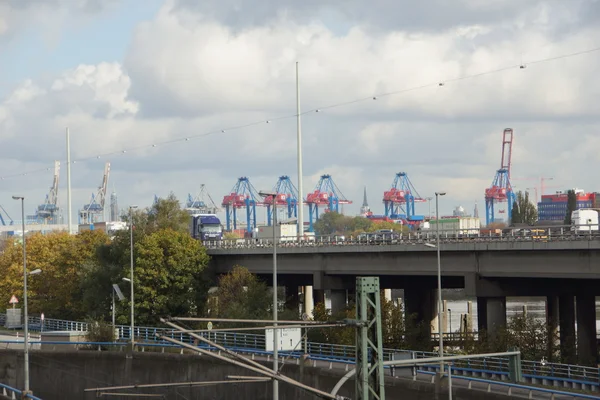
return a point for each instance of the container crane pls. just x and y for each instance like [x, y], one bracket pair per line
[48, 213]
[242, 195]
[287, 196]
[94, 211]
[326, 194]
[399, 201]
[10, 220]
[202, 203]
[501, 189]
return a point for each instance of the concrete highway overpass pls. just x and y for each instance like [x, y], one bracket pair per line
[491, 270]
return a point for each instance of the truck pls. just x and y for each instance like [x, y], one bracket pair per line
[284, 232]
[206, 227]
[584, 220]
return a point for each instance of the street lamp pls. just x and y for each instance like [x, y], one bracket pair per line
[439, 277]
[450, 319]
[131, 208]
[273, 195]
[117, 290]
[25, 315]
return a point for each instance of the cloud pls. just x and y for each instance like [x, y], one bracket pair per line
[191, 72]
[46, 15]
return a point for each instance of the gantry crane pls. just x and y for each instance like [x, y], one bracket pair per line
[501, 190]
[243, 195]
[287, 196]
[399, 201]
[202, 203]
[325, 194]
[94, 211]
[49, 212]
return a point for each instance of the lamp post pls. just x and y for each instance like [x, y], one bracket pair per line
[131, 208]
[25, 314]
[273, 195]
[439, 277]
[450, 320]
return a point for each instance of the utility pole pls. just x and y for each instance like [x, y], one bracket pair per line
[69, 222]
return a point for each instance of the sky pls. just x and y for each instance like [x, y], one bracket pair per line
[177, 93]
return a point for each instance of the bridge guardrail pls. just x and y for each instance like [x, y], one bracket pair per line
[332, 351]
[456, 369]
[13, 392]
[549, 234]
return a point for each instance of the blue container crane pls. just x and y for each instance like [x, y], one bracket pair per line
[326, 194]
[399, 201]
[287, 196]
[242, 195]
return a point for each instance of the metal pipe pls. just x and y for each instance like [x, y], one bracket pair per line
[131, 275]
[431, 360]
[267, 372]
[258, 328]
[26, 316]
[250, 321]
[225, 350]
[158, 385]
[439, 280]
[275, 304]
[300, 204]
[69, 211]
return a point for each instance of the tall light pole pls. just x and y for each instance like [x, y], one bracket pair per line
[131, 208]
[273, 195]
[439, 277]
[25, 314]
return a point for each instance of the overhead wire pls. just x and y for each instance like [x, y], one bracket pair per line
[310, 111]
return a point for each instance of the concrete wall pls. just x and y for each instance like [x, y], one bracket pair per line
[64, 375]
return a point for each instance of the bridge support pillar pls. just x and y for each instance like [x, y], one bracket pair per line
[338, 300]
[419, 313]
[491, 314]
[292, 298]
[318, 296]
[566, 317]
[309, 304]
[586, 330]
[552, 320]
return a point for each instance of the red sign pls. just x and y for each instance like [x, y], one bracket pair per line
[13, 300]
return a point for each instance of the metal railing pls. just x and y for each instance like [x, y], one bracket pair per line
[419, 369]
[11, 392]
[468, 235]
[330, 351]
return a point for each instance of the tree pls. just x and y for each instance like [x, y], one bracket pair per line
[240, 294]
[169, 276]
[523, 210]
[571, 206]
[61, 257]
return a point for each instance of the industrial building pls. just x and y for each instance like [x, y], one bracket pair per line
[553, 207]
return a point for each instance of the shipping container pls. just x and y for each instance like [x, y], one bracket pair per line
[285, 232]
[460, 225]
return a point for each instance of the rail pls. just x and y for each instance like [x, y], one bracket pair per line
[11, 392]
[537, 234]
[298, 355]
[337, 352]
[512, 386]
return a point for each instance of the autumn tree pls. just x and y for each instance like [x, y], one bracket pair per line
[61, 257]
[240, 294]
[169, 276]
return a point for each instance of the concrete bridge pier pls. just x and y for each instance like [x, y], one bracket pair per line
[552, 321]
[292, 298]
[566, 318]
[419, 306]
[338, 300]
[586, 330]
[491, 314]
[308, 301]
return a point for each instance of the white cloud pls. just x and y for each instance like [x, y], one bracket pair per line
[187, 74]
